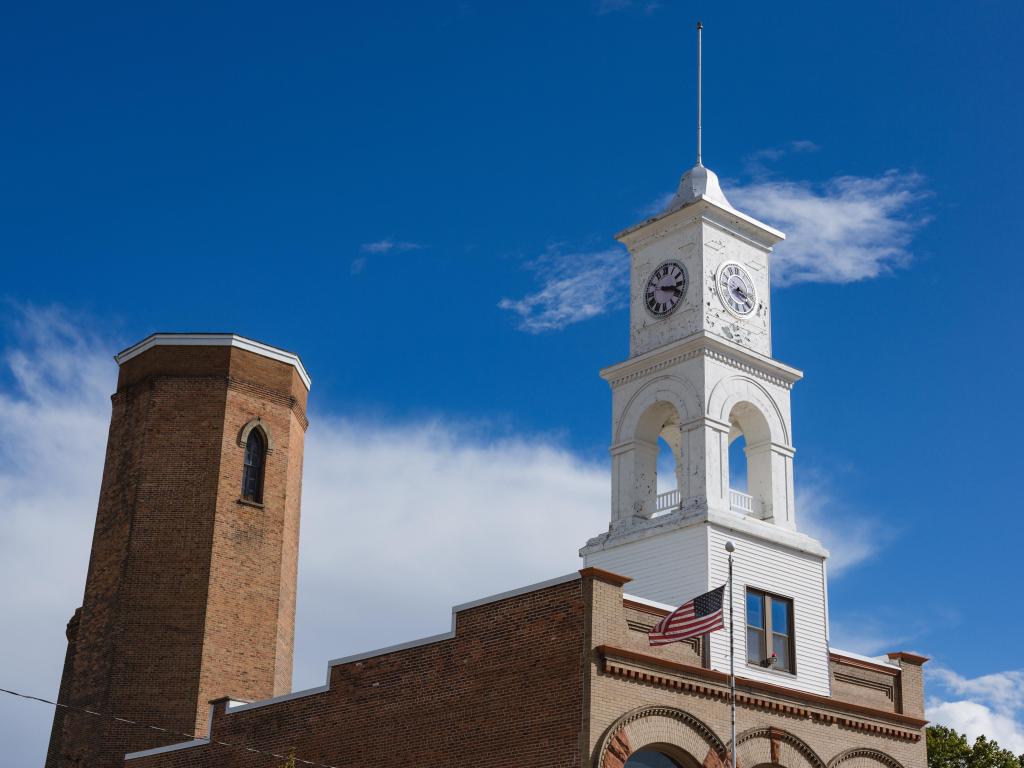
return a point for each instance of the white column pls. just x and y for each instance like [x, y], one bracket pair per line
[759, 478]
[706, 463]
[634, 479]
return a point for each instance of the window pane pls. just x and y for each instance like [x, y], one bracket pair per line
[648, 758]
[780, 645]
[755, 645]
[755, 610]
[780, 615]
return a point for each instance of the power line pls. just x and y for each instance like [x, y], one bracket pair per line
[168, 731]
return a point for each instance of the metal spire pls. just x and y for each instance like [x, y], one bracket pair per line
[700, 28]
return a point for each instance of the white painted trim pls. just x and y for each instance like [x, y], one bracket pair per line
[695, 342]
[651, 603]
[694, 208]
[176, 747]
[878, 660]
[214, 340]
[170, 748]
[241, 706]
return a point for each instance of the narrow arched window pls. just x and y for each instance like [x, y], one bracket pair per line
[252, 472]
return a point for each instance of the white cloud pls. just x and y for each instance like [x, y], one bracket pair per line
[388, 245]
[575, 287]
[851, 228]
[381, 247]
[54, 413]
[400, 521]
[867, 635]
[408, 520]
[990, 705]
[757, 162]
[850, 536]
[603, 7]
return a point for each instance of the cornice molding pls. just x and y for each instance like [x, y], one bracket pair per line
[714, 684]
[702, 344]
[707, 210]
[214, 340]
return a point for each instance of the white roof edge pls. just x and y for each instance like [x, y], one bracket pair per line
[215, 340]
[727, 209]
[168, 748]
[233, 707]
[882, 661]
[651, 603]
[179, 745]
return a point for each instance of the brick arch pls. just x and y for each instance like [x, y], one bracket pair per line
[863, 757]
[679, 734]
[263, 427]
[774, 746]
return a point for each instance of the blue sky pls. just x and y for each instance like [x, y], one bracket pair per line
[401, 193]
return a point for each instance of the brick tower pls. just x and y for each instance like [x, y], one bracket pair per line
[190, 593]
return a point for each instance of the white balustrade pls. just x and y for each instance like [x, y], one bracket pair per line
[738, 501]
[741, 502]
[667, 500]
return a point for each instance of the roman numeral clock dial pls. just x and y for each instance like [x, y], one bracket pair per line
[665, 288]
[736, 289]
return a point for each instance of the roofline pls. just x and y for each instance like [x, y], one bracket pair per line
[875, 661]
[728, 210]
[409, 644]
[214, 340]
[229, 709]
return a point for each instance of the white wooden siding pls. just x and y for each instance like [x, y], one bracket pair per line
[785, 572]
[670, 568]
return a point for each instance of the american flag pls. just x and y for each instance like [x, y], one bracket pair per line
[698, 617]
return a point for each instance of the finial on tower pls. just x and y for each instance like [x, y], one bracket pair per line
[700, 30]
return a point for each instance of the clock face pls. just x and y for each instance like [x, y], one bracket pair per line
[665, 289]
[736, 289]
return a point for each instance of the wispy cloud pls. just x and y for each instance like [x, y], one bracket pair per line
[850, 228]
[575, 287]
[850, 538]
[990, 705]
[758, 162]
[387, 245]
[379, 248]
[55, 385]
[603, 7]
[867, 634]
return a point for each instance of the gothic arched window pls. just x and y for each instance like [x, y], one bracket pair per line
[252, 471]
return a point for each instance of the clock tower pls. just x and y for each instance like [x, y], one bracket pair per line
[700, 375]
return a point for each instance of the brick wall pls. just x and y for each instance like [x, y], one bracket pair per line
[505, 691]
[189, 593]
[640, 696]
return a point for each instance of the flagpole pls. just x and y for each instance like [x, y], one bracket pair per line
[730, 548]
[700, 28]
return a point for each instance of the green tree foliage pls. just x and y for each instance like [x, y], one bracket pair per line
[949, 749]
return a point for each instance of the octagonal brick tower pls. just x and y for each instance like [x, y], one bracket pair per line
[190, 592]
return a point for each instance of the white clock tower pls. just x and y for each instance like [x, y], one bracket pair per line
[700, 375]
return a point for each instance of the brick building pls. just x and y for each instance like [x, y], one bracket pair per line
[189, 604]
